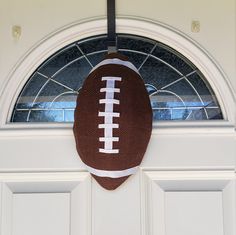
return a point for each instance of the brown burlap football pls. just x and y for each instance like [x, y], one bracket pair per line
[113, 121]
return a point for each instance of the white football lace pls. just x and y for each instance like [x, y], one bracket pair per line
[112, 173]
[108, 115]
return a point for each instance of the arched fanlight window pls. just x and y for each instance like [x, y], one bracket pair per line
[177, 89]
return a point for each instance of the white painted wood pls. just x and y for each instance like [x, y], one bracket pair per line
[41, 213]
[117, 212]
[197, 202]
[6, 212]
[81, 208]
[58, 153]
[189, 166]
[229, 208]
[193, 213]
[46, 203]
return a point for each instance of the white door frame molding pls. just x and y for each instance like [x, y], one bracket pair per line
[154, 30]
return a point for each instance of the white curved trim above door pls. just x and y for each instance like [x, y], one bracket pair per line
[154, 30]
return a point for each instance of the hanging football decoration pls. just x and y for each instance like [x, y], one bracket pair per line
[113, 120]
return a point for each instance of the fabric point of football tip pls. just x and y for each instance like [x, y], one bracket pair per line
[109, 183]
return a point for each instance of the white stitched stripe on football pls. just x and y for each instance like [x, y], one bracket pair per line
[104, 139]
[118, 62]
[106, 114]
[109, 101]
[105, 89]
[112, 174]
[101, 126]
[111, 78]
[108, 150]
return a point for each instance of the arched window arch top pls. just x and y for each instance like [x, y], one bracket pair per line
[177, 89]
[141, 27]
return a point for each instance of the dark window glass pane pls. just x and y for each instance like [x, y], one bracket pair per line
[135, 58]
[161, 114]
[96, 44]
[69, 116]
[64, 101]
[180, 114]
[214, 113]
[74, 75]
[197, 114]
[185, 92]
[157, 73]
[46, 116]
[170, 104]
[20, 116]
[59, 60]
[30, 91]
[177, 90]
[96, 57]
[135, 44]
[50, 92]
[203, 89]
[150, 89]
[173, 59]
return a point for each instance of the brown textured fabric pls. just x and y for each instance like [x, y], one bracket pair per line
[110, 183]
[135, 121]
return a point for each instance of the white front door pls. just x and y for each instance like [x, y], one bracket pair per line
[185, 186]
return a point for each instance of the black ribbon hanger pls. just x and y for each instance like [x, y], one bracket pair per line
[111, 27]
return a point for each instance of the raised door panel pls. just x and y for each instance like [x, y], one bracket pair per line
[41, 213]
[46, 203]
[194, 213]
[188, 203]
